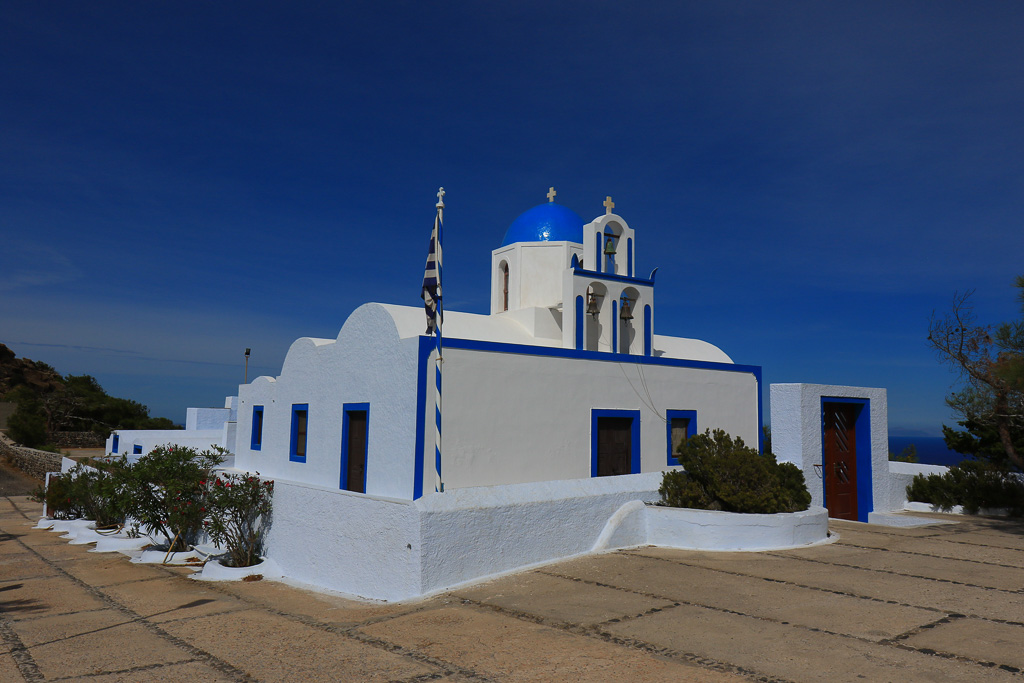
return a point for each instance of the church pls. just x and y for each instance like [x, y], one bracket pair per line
[564, 379]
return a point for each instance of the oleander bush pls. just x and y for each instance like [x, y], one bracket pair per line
[171, 492]
[974, 484]
[239, 517]
[722, 473]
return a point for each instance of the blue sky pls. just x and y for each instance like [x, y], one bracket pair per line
[181, 180]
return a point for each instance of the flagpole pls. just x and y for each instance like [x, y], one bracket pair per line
[438, 483]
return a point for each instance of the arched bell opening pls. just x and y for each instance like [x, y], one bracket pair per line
[597, 317]
[629, 306]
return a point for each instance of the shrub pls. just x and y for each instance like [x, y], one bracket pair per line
[61, 498]
[724, 474]
[240, 510]
[168, 487]
[974, 484]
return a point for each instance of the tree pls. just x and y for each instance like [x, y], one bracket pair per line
[990, 361]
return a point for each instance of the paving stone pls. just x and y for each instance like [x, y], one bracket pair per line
[561, 599]
[933, 546]
[946, 597]
[47, 596]
[984, 641]
[274, 648]
[90, 642]
[193, 672]
[763, 599]
[794, 653]
[171, 598]
[509, 649]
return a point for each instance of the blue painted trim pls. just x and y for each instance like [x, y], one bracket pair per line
[598, 257]
[346, 409]
[597, 275]
[556, 352]
[256, 438]
[579, 323]
[629, 257]
[691, 429]
[862, 434]
[137, 449]
[648, 332]
[117, 443]
[426, 346]
[293, 447]
[634, 434]
[615, 325]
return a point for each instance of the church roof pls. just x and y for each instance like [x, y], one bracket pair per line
[547, 222]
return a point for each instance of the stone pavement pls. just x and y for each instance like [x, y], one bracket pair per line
[937, 603]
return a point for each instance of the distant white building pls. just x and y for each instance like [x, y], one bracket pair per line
[564, 379]
[204, 429]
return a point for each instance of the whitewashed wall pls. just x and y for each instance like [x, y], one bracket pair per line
[148, 439]
[368, 363]
[512, 418]
[389, 549]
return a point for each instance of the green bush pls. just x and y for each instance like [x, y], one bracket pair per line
[724, 474]
[240, 507]
[168, 487]
[26, 426]
[974, 484]
[61, 498]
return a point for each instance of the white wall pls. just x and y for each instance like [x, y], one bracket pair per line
[206, 418]
[367, 364]
[389, 549]
[149, 439]
[511, 418]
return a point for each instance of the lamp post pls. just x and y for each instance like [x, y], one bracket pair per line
[247, 365]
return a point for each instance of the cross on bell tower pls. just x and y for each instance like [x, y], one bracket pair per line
[608, 205]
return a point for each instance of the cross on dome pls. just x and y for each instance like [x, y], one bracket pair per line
[551, 194]
[608, 205]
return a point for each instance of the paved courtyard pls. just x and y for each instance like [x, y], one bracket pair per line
[936, 603]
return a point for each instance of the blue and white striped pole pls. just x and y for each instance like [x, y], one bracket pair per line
[438, 484]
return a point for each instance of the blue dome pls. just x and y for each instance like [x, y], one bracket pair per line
[548, 222]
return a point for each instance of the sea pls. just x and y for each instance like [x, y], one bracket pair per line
[931, 450]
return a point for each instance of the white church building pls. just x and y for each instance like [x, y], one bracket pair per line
[563, 379]
[561, 385]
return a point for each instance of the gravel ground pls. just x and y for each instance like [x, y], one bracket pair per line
[14, 482]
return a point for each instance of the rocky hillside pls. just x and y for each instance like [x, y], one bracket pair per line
[15, 372]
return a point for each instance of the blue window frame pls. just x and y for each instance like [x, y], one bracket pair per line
[300, 431]
[634, 451]
[136, 449]
[354, 464]
[677, 421]
[117, 442]
[256, 442]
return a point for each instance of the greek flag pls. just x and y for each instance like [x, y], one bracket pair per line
[431, 293]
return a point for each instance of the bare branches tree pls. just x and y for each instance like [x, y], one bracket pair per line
[991, 363]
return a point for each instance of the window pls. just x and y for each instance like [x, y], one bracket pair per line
[680, 425]
[136, 449]
[300, 426]
[117, 440]
[504, 286]
[257, 428]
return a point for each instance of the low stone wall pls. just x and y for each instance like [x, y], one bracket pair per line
[78, 440]
[30, 461]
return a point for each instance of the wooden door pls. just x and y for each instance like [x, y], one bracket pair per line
[355, 479]
[840, 460]
[614, 445]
